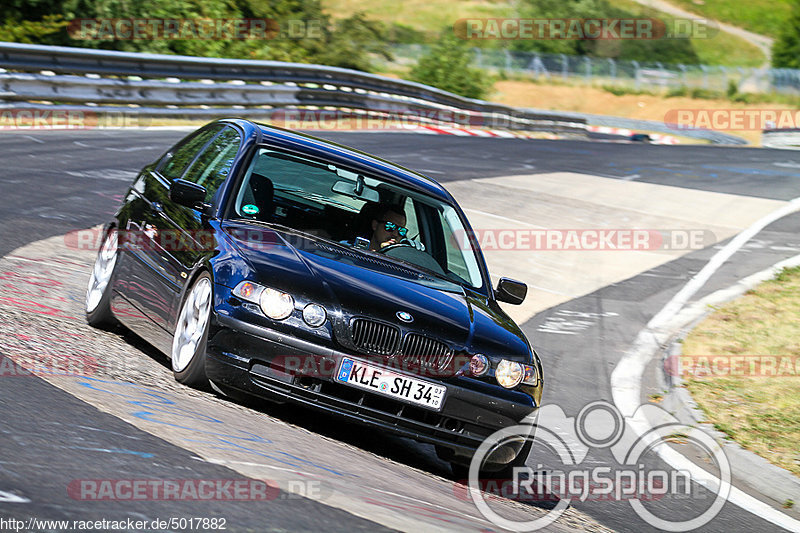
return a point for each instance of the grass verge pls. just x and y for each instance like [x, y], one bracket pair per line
[720, 48]
[760, 413]
[600, 100]
[760, 16]
[432, 16]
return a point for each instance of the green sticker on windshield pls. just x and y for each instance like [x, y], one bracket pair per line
[249, 209]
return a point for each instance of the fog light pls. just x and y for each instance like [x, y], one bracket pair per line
[314, 315]
[478, 365]
[276, 304]
[509, 374]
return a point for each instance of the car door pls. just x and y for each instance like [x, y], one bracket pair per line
[189, 231]
[152, 288]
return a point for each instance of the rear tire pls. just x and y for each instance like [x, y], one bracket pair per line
[191, 334]
[98, 293]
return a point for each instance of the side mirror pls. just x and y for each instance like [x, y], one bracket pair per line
[189, 194]
[511, 291]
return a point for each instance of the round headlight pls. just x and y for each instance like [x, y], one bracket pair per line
[509, 374]
[275, 304]
[478, 365]
[314, 315]
[530, 374]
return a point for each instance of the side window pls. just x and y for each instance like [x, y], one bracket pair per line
[459, 253]
[175, 162]
[411, 221]
[211, 169]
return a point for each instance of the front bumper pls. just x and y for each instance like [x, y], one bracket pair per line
[251, 358]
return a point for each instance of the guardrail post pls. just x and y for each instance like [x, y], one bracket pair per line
[612, 68]
[587, 62]
[564, 66]
[636, 74]
[705, 76]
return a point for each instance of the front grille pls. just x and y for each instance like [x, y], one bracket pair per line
[375, 337]
[428, 353]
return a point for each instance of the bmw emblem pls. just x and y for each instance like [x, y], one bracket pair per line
[405, 317]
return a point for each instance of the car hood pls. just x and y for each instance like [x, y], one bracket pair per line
[350, 284]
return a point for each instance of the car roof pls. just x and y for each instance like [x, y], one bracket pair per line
[345, 155]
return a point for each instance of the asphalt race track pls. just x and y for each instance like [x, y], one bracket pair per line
[129, 420]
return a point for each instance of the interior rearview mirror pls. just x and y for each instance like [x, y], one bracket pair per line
[511, 291]
[356, 190]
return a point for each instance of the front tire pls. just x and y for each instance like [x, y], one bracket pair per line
[191, 334]
[495, 471]
[98, 293]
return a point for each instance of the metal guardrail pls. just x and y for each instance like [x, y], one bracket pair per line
[716, 137]
[106, 77]
[167, 85]
[787, 139]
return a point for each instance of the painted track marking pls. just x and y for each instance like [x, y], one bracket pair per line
[626, 377]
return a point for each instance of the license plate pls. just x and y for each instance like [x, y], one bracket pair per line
[387, 383]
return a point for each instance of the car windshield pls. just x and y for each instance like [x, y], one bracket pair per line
[360, 213]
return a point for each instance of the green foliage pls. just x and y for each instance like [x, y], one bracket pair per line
[447, 66]
[733, 88]
[786, 49]
[27, 31]
[672, 50]
[349, 42]
[402, 34]
[619, 90]
[760, 16]
[706, 94]
[677, 92]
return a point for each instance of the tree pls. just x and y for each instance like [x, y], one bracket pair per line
[786, 50]
[447, 66]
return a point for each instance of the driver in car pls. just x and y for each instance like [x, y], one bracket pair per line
[388, 229]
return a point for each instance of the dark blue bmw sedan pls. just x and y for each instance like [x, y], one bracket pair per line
[270, 263]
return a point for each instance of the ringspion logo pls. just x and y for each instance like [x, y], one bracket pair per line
[633, 474]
